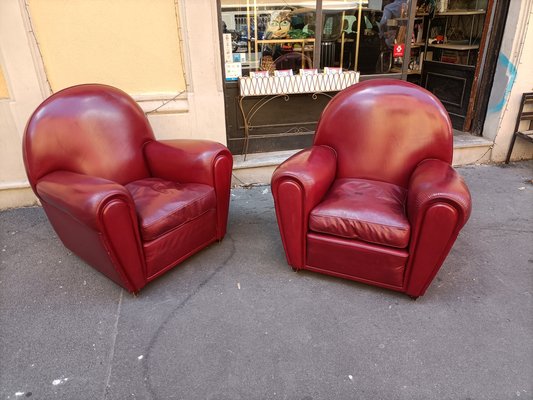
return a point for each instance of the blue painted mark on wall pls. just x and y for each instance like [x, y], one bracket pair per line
[510, 72]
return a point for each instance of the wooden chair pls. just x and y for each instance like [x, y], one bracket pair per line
[523, 115]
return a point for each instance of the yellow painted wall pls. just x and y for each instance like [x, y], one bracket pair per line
[4, 93]
[130, 44]
[136, 47]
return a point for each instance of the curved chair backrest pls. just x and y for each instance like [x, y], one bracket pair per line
[293, 60]
[382, 129]
[94, 129]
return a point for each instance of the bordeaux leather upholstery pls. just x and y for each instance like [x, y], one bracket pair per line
[293, 60]
[375, 199]
[130, 206]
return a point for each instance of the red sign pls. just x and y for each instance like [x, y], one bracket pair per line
[399, 49]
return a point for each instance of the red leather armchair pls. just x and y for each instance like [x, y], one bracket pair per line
[375, 199]
[130, 206]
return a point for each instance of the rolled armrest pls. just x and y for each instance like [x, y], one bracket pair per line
[81, 196]
[313, 169]
[96, 219]
[298, 185]
[184, 160]
[435, 181]
[438, 206]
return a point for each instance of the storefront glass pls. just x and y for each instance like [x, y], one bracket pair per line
[265, 36]
[284, 60]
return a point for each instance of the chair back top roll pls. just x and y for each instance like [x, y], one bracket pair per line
[382, 129]
[90, 129]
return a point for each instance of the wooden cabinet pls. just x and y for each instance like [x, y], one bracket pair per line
[451, 53]
[454, 36]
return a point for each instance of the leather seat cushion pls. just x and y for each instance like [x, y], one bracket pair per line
[369, 211]
[163, 205]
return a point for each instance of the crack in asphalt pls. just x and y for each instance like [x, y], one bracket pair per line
[179, 307]
[113, 346]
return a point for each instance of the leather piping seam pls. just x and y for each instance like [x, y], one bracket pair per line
[289, 178]
[175, 210]
[362, 221]
[305, 223]
[102, 203]
[412, 260]
[221, 155]
[359, 239]
[180, 225]
[104, 235]
[393, 248]
[144, 147]
[179, 260]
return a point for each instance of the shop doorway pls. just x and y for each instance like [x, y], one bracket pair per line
[455, 46]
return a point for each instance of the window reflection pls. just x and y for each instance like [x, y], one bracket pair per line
[354, 35]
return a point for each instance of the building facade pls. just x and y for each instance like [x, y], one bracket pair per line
[168, 55]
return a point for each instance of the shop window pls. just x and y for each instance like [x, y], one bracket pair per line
[353, 35]
[285, 60]
[281, 30]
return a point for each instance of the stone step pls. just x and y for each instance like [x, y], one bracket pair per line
[470, 149]
[258, 168]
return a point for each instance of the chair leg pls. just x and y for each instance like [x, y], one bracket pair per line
[246, 142]
[510, 149]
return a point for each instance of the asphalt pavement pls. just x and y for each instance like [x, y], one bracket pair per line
[235, 322]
